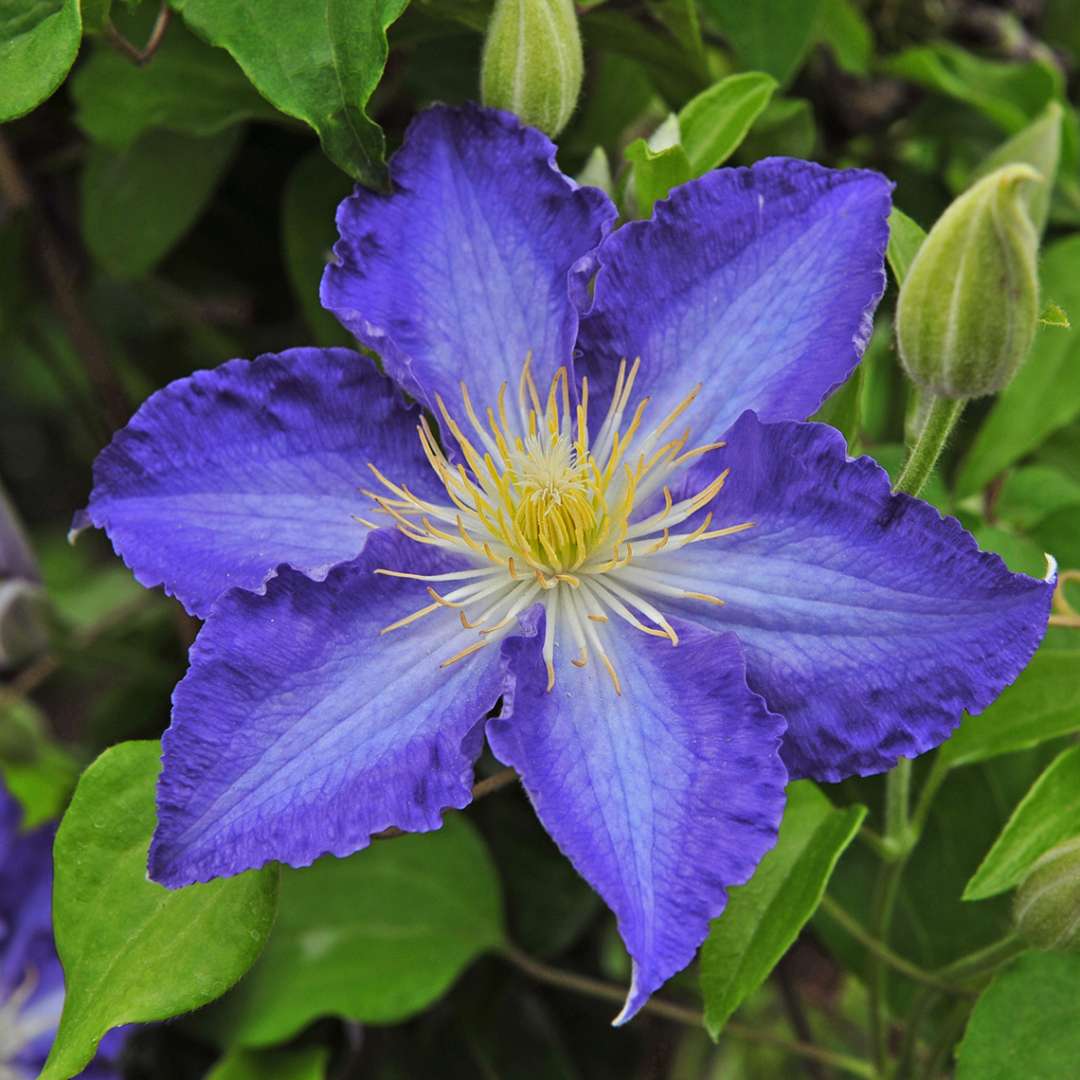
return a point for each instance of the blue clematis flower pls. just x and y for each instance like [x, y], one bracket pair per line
[31, 979]
[621, 528]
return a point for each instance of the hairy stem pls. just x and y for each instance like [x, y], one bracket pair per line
[681, 1014]
[940, 419]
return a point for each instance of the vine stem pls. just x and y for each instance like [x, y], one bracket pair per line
[142, 56]
[941, 417]
[480, 790]
[680, 1014]
[894, 960]
[900, 834]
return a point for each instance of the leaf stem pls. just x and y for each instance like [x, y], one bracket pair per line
[682, 1014]
[144, 55]
[941, 418]
[894, 960]
[983, 961]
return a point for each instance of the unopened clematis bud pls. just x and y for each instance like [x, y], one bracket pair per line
[1047, 908]
[532, 63]
[969, 305]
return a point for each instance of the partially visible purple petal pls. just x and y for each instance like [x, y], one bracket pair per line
[16, 558]
[759, 283]
[300, 730]
[660, 797]
[223, 476]
[473, 261]
[868, 620]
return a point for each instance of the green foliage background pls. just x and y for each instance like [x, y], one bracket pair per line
[168, 177]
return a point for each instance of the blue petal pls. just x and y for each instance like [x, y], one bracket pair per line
[660, 797]
[299, 730]
[759, 283]
[221, 477]
[473, 261]
[868, 620]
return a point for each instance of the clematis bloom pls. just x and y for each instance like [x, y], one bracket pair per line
[611, 519]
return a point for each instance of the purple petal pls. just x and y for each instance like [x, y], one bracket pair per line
[660, 797]
[221, 477]
[868, 620]
[299, 730]
[473, 261]
[759, 283]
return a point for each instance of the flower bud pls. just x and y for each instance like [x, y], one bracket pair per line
[969, 305]
[532, 62]
[1047, 907]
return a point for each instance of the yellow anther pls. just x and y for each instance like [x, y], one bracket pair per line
[476, 646]
[538, 512]
[706, 597]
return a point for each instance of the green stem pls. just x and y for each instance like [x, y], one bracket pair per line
[607, 991]
[901, 833]
[894, 960]
[897, 845]
[941, 417]
[897, 809]
[951, 1027]
[984, 961]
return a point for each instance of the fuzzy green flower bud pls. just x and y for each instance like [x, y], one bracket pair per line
[532, 63]
[969, 305]
[1047, 907]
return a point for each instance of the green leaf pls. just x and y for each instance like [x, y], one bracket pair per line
[1055, 315]
[767, 35]
[905, 239]
[376, 937]
[786, 127]
[1030, 493]
[1043, 704]
[1009, 94]
[95, 15]
[717, 120]
[1024, 1023]
[843, 408]
[656, 172]
[311, 197]
[1059, 534]
[38, 44]
[132, 950]
[116, 101]
[303, 1063]
[844, 29]
[933, 926]
[1045, 395]
[1048, 814]
[673, 74]
[317, 60]
[139, 202]
[764, 916]
[1022, 555]
[21, 16]
[1037, 145]
[37, 772]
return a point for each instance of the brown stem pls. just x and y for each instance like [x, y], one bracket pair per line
[133, 52]
[681, 1014]
[484, 787]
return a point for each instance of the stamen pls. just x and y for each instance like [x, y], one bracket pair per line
[540, 511]
[476, 646]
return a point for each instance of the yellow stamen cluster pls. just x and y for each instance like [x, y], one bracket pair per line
[546, 512]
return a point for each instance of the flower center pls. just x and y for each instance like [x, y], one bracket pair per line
[550, 512]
